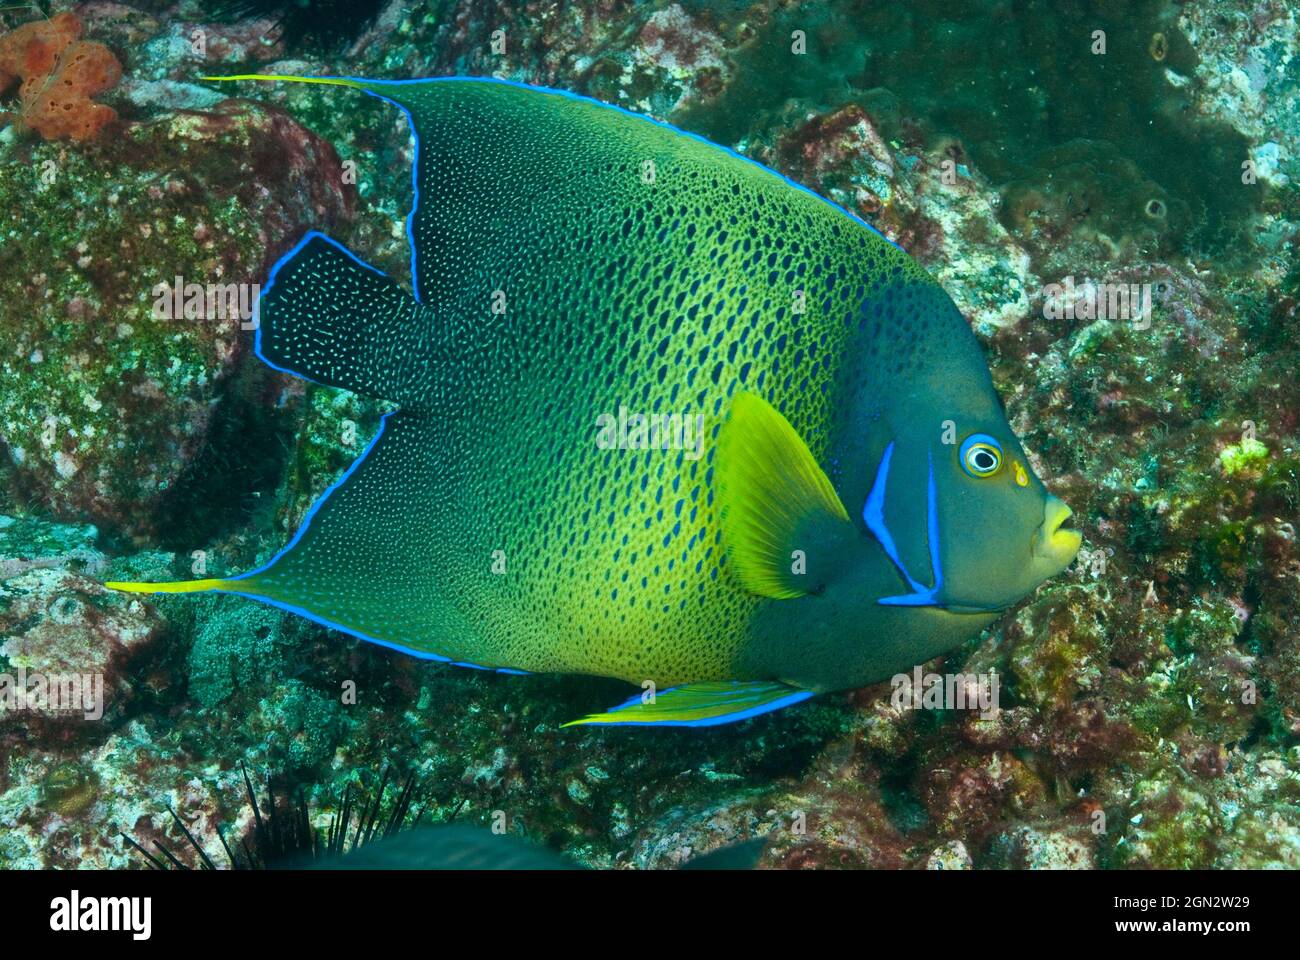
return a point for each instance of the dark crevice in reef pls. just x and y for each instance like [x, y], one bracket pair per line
[1017, 83]
[234, 476]
[321, 26]
[898, 796]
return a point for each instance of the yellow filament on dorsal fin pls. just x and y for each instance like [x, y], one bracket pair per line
[175, 586]
[330, 81]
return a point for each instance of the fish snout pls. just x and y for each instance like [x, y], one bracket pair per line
[1053, 541]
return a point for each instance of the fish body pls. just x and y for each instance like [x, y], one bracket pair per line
[449, 847]
[664, 416]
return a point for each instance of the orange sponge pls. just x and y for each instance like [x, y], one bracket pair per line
[60, 74]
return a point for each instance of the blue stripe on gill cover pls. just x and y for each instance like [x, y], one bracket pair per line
[873, 514]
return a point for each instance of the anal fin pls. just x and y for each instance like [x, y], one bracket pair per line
[706, 704]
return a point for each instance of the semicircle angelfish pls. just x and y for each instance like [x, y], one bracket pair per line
[664, 415]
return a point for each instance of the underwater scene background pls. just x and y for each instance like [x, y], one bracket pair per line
[1032, 156]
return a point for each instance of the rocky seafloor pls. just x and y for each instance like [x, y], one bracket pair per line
[1150, 698]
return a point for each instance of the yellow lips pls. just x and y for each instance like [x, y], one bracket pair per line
[1051, 541]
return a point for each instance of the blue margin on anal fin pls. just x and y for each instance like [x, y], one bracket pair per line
[357, 634]
[705, 704]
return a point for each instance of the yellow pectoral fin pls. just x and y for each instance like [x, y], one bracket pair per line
[175, 586]
[705, 704]
[774, 498]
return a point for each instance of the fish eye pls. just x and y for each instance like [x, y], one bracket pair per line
[981, 455]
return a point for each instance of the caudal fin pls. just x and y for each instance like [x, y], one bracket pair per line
[328, 316]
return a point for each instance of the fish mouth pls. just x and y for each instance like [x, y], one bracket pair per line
[1053, 547]
[1053, 541]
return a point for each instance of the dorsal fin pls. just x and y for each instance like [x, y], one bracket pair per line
[486, 152]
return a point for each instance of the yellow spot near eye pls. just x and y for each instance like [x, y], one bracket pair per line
[1022, 478]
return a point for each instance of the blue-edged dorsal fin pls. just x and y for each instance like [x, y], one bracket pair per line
[705, 704]
[330, 317]
[483, 177]
[775, 500]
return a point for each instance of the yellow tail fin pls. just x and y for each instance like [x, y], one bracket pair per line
[176, 586]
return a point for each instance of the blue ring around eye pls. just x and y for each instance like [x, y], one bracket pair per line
[981, 440]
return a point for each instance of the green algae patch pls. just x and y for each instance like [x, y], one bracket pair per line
[70, 788]
[1101, 136]
[1170, 827]
[1242, 457]
[105, 393]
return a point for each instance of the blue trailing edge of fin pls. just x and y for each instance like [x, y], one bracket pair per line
[400, 648]
[709, 703]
